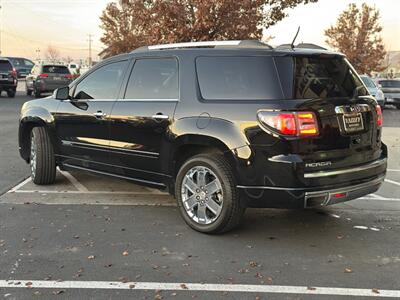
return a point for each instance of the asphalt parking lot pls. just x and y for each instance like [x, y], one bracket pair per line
[103, 238]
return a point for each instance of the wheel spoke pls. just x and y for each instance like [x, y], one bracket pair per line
[201, 214]
[213, 187]
[190, 202]
[201, 178]
[213, 206]
[190, 185]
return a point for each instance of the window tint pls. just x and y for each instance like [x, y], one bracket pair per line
[326, 77]
[55, 69]
[5, 66]
[390, 83]
[154, 79]
[28, 63]
[238, 78]
[103, 83]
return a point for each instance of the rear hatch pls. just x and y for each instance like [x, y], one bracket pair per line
[349, 134]
[6, 72]
[56, 76]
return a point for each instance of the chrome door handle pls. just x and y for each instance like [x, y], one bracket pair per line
[99, 114]
[160, 117]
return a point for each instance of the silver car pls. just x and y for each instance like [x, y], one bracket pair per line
[374, 90]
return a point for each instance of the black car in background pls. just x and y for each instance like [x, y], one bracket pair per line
[220, 125]
[23, 66]
[8, 77]
[391, 90]
[45, 78]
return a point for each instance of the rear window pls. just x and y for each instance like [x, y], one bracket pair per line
[5, 66]
[390, 83]
[238, 78]
[310, 77]
[55, 69]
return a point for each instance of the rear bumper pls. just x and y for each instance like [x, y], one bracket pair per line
[293, 197]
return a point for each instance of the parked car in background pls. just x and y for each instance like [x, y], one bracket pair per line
[374, 89]
[391, 90]
[74, 69]
[23, 66]
[221, 125]
[45, 78]
[8, 77]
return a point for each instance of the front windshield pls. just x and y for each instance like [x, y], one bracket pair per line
[368, 82]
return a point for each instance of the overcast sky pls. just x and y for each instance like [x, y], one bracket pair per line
[28, 25]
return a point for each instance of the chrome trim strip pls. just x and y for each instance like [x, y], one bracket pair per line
[263, 187]
[365, 167]
[194, 44]
[115, 175]
[104, 148]
[352, 109]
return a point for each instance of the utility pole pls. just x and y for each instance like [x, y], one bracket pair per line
[90, 49]
[37, 54]
[0, 27]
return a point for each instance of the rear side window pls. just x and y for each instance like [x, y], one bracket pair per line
[5, 66]
[238, 78]
[319, 77]
[55, 69]
[390, 83]
[154, 79]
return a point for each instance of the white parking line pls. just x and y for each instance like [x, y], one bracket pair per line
[20, 185]
[207, 287]
[378, 199]
[79, 186]
[86, 192]
[393, 170]
[392, 182]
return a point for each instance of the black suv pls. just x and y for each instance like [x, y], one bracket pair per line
[8, 77]
[220, 125]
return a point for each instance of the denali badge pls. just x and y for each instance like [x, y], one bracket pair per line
[318, 164]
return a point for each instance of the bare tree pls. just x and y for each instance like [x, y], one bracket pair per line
[129, 24]
[357, 34]
[52, 54]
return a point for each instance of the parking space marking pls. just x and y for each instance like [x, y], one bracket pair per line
[378, 199]
[206, 287]
[392, 182]
[85, 192]
[20, 185]
[79, 186]
[393, 170]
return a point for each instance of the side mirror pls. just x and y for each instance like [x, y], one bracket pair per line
[62, 93]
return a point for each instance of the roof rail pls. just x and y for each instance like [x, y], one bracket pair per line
[238, 43]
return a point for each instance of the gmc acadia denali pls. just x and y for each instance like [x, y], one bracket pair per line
[220, 125]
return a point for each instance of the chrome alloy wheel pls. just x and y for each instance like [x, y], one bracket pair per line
[33, 157]
[202, 195]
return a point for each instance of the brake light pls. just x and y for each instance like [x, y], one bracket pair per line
[69, 76]
[14, 73]
[379, 116]
[302, 124]
[44, 75]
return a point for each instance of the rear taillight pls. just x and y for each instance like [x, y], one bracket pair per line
[379, 116]
[302, 123]
[13, 73]
[69, 76]
[44, 75]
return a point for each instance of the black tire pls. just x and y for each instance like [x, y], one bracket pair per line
[231, 211]
[43, 164]
[37, 93]
[28, 92]
[11, 94]
[397, 106]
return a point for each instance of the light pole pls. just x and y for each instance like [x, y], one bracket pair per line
[0, 27]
